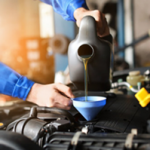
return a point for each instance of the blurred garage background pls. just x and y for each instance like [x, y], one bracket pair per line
[34, 39]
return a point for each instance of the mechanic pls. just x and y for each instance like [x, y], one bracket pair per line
[15, 85]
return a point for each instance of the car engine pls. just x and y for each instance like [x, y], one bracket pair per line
[121, 124]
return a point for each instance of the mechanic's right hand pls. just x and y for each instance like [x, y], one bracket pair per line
[50, 95]
[102, 26]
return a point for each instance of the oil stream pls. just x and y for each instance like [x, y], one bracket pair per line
[85, 60]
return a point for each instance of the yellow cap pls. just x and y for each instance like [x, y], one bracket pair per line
[143, 97]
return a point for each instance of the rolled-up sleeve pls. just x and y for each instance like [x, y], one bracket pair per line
[13, 84]
[66, 8]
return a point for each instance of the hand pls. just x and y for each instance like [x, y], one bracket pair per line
[102, 26]
[50, 95]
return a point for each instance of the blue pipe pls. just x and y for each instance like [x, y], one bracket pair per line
[120, 24]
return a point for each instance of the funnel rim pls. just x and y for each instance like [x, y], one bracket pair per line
[96, 99]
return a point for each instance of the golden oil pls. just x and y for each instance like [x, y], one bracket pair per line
[85, 60]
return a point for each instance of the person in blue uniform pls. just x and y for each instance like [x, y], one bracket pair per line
[16, 85]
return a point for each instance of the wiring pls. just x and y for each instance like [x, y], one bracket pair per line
[116, 84]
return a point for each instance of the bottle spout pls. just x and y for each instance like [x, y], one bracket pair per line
[85, 51]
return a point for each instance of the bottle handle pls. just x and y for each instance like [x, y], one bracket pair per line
[87, 28]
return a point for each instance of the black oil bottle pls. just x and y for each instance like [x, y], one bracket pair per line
[87, 43]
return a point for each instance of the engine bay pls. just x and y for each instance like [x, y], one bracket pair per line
[52, 128]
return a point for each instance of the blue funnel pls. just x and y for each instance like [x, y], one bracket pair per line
[90, 108]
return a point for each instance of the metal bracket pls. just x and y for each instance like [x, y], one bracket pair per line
[75, 138]
[129, 139]
[85, 130]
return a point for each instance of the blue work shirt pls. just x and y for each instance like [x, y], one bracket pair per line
[66, 8]
[12, 83]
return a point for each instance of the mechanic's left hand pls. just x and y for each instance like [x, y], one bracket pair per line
[50, 95]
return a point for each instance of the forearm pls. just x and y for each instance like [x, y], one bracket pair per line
[66, 8]
[13, 84]
[33, 94]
